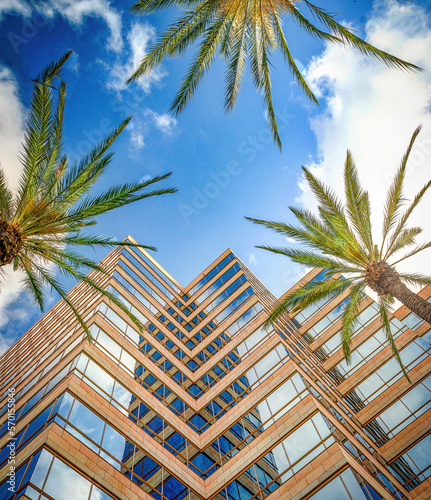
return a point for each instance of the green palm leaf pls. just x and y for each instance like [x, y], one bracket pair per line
[339, 239]
[45, 218]
[244, 29]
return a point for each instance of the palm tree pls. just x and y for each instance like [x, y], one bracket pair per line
[339, 239]
[51, 206]
[243, 29]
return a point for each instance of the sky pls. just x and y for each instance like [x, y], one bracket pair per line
[224, 166]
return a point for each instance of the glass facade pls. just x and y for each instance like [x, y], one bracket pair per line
[206, 402]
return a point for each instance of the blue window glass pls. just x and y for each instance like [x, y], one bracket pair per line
[226, 396]
[178, 405]
[225, 445]
[146, 468]
[149, 381]
[167, 365]
[5, 492]
[199, 423]
[156, 425]
[177, 442]
[179, 377]
[179, 354]
[195, 391]
[129, 449]
[156, 356]
[173, 489]
[192, 365]
[202, 465]
[146, 348]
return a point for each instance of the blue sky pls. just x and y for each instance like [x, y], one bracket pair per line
[225, 167]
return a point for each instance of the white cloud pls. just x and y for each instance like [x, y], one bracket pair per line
[74, 63]
[252, 261]
[13, 309]
[73, 11]
[11, 125]
[139, 38]
[165, 122]
[372, 110]
[141, 125]
[19, 6]
[136, 138]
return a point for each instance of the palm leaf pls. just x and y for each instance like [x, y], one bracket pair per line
[6, 197]
[395, 198]
[415, 279]
[350, 39]
[384, 315]
[53, 203]
[349, 318]
[241, 30]
[331, 266]
[357, 204]
[308, 294]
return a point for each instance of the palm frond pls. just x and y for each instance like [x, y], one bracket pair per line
[415, 279]
[401, 226]
[117, 196]
[50, 279]
[419, 248]
[308, 294]
[236, 65]
[326, 197]
[6, 197]
[150, 6]
[80, 178]
[37, 131]
[349, 38]
[297, 75]
[332, 266]
[53, 203]
[202, 63]
[357, 204]
[241, 30]
[395, 197]
[311, 29]
[349, 318]
[178, 38]
[72, 271]
[33, 286]
[407, 237]
[384, 315]
[104, 241]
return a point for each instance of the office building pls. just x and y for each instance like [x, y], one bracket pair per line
[206, 402]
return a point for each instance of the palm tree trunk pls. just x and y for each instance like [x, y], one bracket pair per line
[10, 242]
[392, 284]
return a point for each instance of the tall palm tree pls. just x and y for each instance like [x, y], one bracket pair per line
[339, 239]
[241, 30]
[46, 215]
